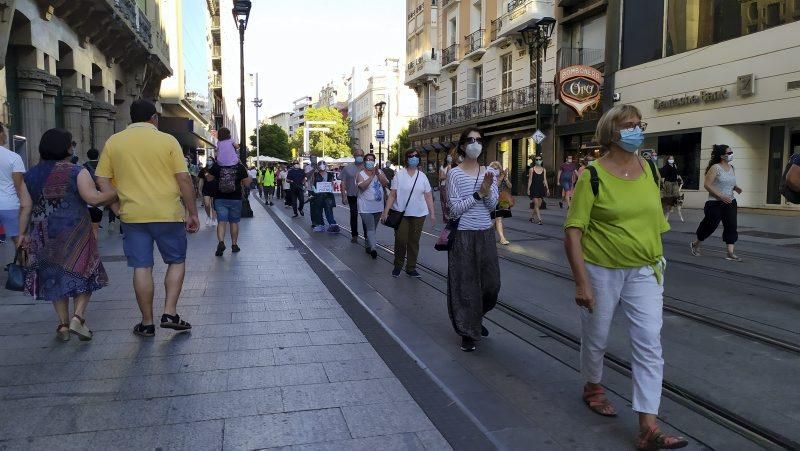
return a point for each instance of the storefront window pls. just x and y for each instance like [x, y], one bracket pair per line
[693, 24]
[685, 147]
[642, 31]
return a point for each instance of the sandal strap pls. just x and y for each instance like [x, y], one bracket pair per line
[176, 319]
[656, 438]
[79, 318]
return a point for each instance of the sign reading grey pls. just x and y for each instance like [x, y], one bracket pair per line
[691, 99]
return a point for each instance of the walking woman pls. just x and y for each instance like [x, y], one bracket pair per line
[473, 271]
[613, 243]
[62, 250]
[371, 183]
[505, 201]
[443, 170]
[671, 183]
[209, 190]
[721, 204]
[566, 180]
[537, 187]
[410, 194]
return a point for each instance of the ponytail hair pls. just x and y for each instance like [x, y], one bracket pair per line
[717, 150]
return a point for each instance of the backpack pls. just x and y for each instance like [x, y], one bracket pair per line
[790, 195]
[227, 179]
[595, 180]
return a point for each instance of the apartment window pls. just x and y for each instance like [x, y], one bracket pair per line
[506, 72]
[585, 43]
[642, 31]
[454, 91]
[475, 84]
[475, 15]
[451, 31]
[693, 24]
[432, 98]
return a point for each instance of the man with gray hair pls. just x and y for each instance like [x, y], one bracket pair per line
[350, 191]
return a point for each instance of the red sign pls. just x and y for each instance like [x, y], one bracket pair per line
[579, 87]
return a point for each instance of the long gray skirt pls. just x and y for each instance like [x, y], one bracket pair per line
[473, 280]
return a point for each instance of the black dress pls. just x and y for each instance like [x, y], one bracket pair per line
[537, 186]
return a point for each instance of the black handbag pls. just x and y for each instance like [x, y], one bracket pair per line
[394, 218]
[16, 272]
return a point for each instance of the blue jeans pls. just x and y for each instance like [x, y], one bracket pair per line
[320, 203]
[228, 210]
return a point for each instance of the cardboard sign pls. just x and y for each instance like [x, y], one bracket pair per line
[324, 187]
[579, 87]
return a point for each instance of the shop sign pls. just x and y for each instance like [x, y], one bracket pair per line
[579, 87]
[691, 99]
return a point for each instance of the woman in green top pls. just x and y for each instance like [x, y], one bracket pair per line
[613, 243]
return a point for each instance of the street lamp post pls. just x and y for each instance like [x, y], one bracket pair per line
[241, 14]
[537, 37]
[258, 102]
[379, 107]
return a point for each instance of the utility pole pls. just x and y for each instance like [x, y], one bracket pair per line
[257, 102]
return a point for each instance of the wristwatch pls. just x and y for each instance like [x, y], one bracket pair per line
[477, 196]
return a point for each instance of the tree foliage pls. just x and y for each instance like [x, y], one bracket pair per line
[400, 144]
[335, 143]
[274, 142]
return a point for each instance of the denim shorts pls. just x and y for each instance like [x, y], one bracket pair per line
[228, 210]
[138, 239]
[10, 221]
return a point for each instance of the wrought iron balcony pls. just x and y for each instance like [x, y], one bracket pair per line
[518, 14]
[572, 56]
[216, 52]
[474, 41]
[507, 102]
[216, 81]
[137, 18]
[449, 55]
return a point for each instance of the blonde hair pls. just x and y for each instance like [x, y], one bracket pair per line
[607, 126]
[496, 165]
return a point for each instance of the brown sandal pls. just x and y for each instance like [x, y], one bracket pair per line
[596, 399]
[655, 439]
[62, 336]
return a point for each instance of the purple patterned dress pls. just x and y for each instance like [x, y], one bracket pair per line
[63, 257]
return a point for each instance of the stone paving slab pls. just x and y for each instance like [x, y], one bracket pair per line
[273, 362]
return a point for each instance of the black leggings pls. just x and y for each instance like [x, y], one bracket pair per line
[716, 211]
[352, 202]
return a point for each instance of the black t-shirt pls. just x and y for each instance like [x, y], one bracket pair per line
[239, 174]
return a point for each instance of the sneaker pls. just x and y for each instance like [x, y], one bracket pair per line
[301, 213]
[694, 249]
[78, 327]
[414, 274]
[467, 344]
[220, 249]
[333, 228]
[319, 228]
[374, 254]
[294, 215]
[235, 248]
[354, 239]
[396, 272]
[484, 331]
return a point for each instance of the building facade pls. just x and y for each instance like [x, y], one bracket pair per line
[282, 120]
[716, 72]
[77, 65]
[469, 66]
[298, 115]
[224, 46]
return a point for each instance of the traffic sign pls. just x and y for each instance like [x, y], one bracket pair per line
[380, 135]
[538, 136]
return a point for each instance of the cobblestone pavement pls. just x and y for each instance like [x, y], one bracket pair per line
[272, 361]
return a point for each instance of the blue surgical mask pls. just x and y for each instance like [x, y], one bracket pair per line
[369, 164]
[413, 162]
[631, 140]
[359, 160]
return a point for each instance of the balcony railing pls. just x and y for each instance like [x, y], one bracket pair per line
[474, 41]
[510, 101]
[216, 81]
[216, 52]
[571, 56]
[450, 54]
[215, 24]
[137, 18]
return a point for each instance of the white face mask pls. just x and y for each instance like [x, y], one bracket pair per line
[473, 150]
[322, 167]
[671, 161]
[729, 158]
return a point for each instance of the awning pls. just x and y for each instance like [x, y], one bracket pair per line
[427, 147]
[184, 131]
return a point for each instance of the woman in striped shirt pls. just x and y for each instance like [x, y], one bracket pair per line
[473, 276]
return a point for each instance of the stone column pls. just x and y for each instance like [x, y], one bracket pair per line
[31, 84]
[86, 126]
[73, 115]
[101, 115]
[50, 93]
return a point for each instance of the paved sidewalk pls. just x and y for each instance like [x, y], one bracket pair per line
[272, 361]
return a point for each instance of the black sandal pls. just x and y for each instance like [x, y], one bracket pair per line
[144, 331]
[174, 322]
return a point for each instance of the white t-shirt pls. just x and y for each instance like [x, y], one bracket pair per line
[282, 176]
[402, 182]
[10, 162]
[371, 199]
[252, 173]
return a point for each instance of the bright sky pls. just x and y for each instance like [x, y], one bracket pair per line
[297, 46]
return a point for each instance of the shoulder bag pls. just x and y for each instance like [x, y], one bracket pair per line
[448, 234]
[16, 272]
[394, 218]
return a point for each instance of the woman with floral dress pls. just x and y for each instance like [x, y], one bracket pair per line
[63, 261]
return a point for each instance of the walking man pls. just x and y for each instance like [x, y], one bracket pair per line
[350, 192]
[297, 182]
[150, 175]
[12, 169]
[268, 180]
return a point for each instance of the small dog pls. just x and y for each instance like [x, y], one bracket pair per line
[678, 205]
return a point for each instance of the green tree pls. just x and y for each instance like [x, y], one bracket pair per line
[400, 144]
[273, 142]
[335, 143]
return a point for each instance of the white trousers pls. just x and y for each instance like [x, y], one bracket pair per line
[641, 298]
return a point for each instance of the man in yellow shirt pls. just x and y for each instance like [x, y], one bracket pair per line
[149, 172]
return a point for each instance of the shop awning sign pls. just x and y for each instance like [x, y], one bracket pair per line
[579, 87]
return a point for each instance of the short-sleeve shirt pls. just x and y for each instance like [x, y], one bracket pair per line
[371, 199]
[349, 174]
[402, 183]
[142, 163]
[241, 174]
[10, 163]
[567, 169]
[622, 226]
